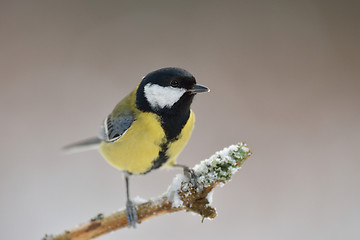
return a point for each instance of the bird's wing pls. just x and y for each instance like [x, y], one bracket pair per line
[114, 128]
[110, 131]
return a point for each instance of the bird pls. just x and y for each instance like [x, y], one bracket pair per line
[148, 128]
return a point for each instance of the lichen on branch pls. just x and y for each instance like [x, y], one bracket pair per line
[182, 194]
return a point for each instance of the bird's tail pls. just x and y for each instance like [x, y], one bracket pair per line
[84, 145]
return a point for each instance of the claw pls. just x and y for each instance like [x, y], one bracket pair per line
[190, 174]
[131, 214]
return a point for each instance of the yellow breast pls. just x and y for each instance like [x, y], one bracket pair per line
[136, 151]
[140, 145]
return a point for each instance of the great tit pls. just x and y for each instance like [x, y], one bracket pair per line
[149, 127]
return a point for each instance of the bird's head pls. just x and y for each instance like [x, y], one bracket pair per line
[167, 91]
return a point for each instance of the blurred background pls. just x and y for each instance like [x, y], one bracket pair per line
[284, 77]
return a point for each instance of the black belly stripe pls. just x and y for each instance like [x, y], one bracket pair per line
[172, 126]
[162, 158]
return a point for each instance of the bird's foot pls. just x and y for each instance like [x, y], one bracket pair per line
[190, 174]
[131, 214]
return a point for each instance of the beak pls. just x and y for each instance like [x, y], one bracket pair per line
[198, 89]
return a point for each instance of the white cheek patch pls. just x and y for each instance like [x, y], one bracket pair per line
[161, 97]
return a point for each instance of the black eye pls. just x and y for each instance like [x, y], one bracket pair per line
[174, 83]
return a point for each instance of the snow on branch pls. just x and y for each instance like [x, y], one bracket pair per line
[181, 195]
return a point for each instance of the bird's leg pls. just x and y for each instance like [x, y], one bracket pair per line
[189, 173]
[131, 213]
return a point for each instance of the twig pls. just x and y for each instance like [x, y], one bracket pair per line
[181, 195]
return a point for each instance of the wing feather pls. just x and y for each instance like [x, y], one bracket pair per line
[113, 129]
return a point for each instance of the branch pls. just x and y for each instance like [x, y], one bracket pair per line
[181, 195]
